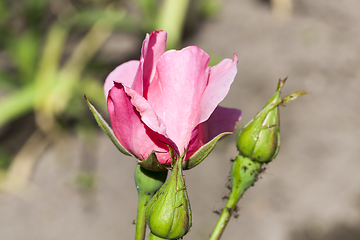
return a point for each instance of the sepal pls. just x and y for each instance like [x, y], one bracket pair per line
[202, 152]
[152, 163]
[293, 96]
[106, 128]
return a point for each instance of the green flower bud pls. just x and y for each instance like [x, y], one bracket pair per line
[260, 138]
[244, 172]
[168, 213]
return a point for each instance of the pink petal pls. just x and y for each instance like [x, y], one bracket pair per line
[198, 139]
[153, 47]
[147, 113]
[221, 77]
[124, 73]
[221, 120]
[132, 133]
[176, 91]
[149, 117]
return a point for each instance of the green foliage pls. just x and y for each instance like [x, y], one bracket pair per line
[40, 76]
[208, 8]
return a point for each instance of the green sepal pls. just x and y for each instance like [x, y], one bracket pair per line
[154, 237]
[202, 152]
[293, 96]
[152, 163]
[106, 128]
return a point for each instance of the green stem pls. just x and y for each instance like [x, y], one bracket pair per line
[244, 172]
[147, 183]
[226, 214]
[140, 219]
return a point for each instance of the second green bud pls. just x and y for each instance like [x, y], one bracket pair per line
[259, 140]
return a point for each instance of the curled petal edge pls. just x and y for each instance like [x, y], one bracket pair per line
[202, 152]
[106, 128]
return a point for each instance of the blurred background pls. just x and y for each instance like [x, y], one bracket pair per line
[62, 178]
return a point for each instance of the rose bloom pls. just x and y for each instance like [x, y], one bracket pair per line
[169, 99]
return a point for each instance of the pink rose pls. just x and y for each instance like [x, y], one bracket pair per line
[169, 99]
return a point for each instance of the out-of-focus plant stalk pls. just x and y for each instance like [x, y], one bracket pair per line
[148, 9]
[171, 18]
[70, 75]
[49, 92]
[46, 77]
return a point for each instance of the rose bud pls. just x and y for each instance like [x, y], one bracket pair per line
[259, 140]
[168, 213]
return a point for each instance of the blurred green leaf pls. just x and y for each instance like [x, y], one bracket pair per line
[8, 81]
[5, 159]
[93, 90]
[34, 10]
[17, 104]
[209, 8]
[23, 51]
[149, 10]
[114, 18]
[4, 13]
[36, 4]
[70, 74]
[46, 75]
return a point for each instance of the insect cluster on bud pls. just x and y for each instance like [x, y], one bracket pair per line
[244, 173]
